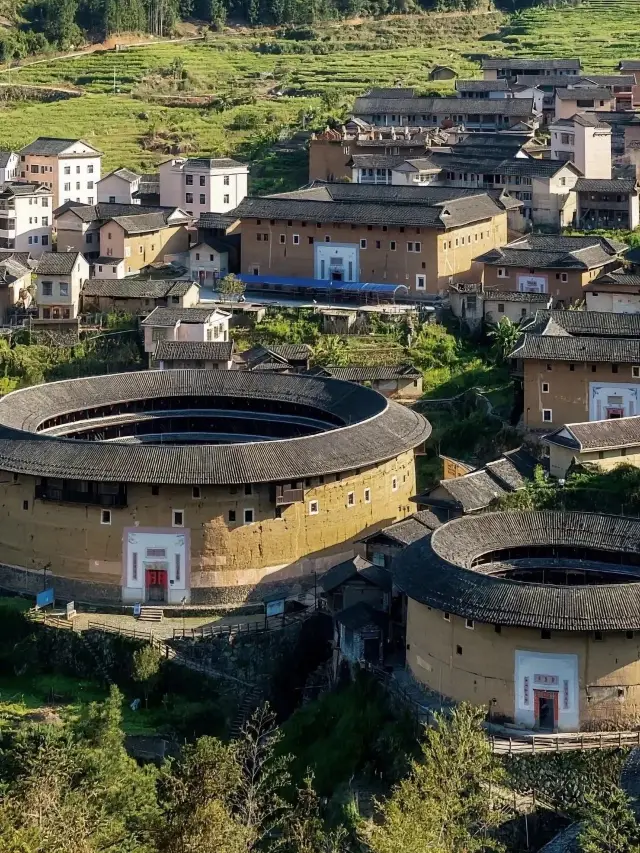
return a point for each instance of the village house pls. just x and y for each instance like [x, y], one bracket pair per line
[26, 217]
[137, 295]
[119, 187]
[421, 238]
[382, 546]
[281, 358]
[476, 305]
[208, 262]
[184, 324]
[497, 89]
[108, 267]
[608, 204]
[9, 166]
[574, 100]
[579, 365]
[79, 227]
[403, 381]
[69, 167]
[442, 72]
[476, 490]
[605, 444]
[512, 68]
[193, 355]
[619, 85]
[550, 264]
[615, 292]
[632, 67]
[584, 141]
[202, 184]
[15, 281]
[486, 114]
[59, 280]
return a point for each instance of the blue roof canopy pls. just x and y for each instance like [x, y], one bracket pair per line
[323, 284]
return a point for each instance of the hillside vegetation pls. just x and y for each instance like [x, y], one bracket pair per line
[239, 91]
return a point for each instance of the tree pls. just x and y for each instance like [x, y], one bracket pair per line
[304, 829]
[146, 668]
[230, 287]
[610, 825]
[444, 805]
[505, 336]
[331, 349]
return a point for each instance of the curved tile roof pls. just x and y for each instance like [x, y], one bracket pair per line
[374, 430]
[437, 571]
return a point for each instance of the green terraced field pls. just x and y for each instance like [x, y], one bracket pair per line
[347, 59]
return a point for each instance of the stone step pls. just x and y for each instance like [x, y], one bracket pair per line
[151, 614]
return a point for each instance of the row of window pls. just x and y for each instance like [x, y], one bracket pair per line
[33, 220]
[188, 179]
[56, 313]
[36, 240]
[47, 288]
[415, 247]
[43, 199]
[304, 224]
[67, 169]
[505, 272]
[615, 368]
[67, 187]
[203, 199]
[489, 178]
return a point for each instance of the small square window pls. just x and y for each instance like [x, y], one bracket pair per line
[458, 650]
[635, 372]
[351, 499]
[572, 367]
[225, 199]
[105, 516]
[327, 238]
[500, 307]
[248, 489]
[392, 245]
[614, 368]
[446, 616]
[468, 623]
[25, 504]
[594, 368]
[296, 239]
[549, 367]
[597, 635]
[545, 387]
[547, 416]
[497, 629]
[394, 484]
[363, 244]
[367, 496]
[629, 635]
[378, 244]
[195, 492]
[283, 238]
[313, 507]
[545, 635]
[232, 515]
[248, 516]
[177, 518]
[155, 490]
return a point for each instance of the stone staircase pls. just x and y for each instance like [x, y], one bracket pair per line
[151, 614]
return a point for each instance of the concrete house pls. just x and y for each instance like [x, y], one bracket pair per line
[193, 355]
[145, 238]
[474, 304]
[616, 292]
[202, 184]
[558, 266]
[59, 280]
[512, 68]
[585, 141]
[9, 166]
[422, 238]
[26, 217]
[607, 203]
[69, 167]
[574, 100]
[184, 324]
[606, 443]
[119, 187]
[208, 263]
[577, 366]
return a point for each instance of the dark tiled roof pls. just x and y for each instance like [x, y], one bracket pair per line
[50, 146]
[17, 188]
[570, 348]
[494, 63]
[23, 258]
[140, 223]
[438, 571]
[602, 185]
[194, 351]
[629, 65]
[108, 210]
[373, 430]
[482, 85]
[494, 164]
[361, 615]
[170, 316]
[57, 263]
[554, 252]
[450, 214]
[474, 491]
[135, 288]
[216, 220]
[377, 161]
[389, 194]
[290, 352]
[5, 156]
[586, 92]
[597, 323]
[125, 174]
[598, 435]
[213, 163]
[372, 373]
[620, 278]
[515, 296]
[518, 107]
[415, 527]
[356, 567]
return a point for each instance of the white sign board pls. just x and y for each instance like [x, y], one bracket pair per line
[532, 284]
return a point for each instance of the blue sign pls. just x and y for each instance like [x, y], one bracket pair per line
[44, 598]
[275, 608]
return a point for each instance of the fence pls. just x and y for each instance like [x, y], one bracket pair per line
[533, 744]
[269, 623]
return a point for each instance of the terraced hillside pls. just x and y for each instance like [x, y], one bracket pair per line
[244, 89]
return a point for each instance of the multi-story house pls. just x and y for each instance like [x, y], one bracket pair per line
[26, 217]
[585, 141]
[199, 185]
[138, 295]
[617, 292]
[472, 114]
[579, 366]
[607, 204]
[119, 187]
[496, 89]
[69, 167]
[59, 280]
[574, 100]
[204, 325]
[620, 86]
[421, 238]
[632, 67]
[558, 266]
[511, 68]
[9, 166]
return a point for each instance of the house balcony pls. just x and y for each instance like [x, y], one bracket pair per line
[75, 496]
[285, 496]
